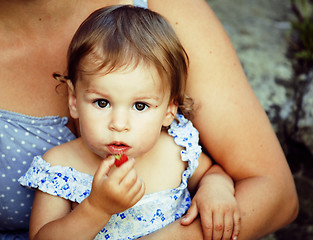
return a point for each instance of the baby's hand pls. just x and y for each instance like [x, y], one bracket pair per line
[117, 191]
[218, 208]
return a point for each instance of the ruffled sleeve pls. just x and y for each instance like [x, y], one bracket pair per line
[60, 181]
[187, 136]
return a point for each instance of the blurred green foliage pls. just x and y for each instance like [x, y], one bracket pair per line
[301, 37]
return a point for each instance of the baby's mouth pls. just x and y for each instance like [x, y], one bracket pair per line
[117, 147]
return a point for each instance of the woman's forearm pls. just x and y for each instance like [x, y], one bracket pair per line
[176, 231]
[265, 206]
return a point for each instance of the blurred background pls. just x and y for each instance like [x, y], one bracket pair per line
[274, 41]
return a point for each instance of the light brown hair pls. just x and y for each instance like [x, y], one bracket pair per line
[118, 37]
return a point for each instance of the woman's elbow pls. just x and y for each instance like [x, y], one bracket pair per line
[290, 203]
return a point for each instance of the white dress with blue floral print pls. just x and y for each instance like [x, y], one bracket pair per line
[151, 213]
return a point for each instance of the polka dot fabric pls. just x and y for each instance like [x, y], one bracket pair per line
[21, 138]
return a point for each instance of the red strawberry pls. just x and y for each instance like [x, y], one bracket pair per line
[120, 159]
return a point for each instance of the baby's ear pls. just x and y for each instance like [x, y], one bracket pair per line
[170, 114]
[72, 103]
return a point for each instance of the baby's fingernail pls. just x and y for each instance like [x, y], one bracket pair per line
[235, 238]
[185, 218]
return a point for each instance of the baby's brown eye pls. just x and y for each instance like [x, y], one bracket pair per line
[139, 106]
[102, 103]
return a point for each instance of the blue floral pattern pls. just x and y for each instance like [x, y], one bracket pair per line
[151, 213]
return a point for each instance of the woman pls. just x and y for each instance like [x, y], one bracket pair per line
[234, 129]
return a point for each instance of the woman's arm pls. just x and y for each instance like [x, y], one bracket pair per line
[233, 127]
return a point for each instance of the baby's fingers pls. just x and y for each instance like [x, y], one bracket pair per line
[218, 225]
[237, 225]
[228, 225]
[136, 191]
[207, 225]
[104, 168]
[191, 214]
[121, 172]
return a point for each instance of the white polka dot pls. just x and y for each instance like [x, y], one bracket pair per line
[12, 200]
[38, 131]
[48, 140]
[3, 175]
[6, 126]
[8, 188]
[16, 212]
[19, 171]
[15, 130]
[18, 192]
[3, 155]
[18, 150]
[2, 195]
[33, 121]
[45, 149]
[22, 204]
[8, 147]
[9, 167]
[27, 134]
[22, 142]
[34, 145]
[1, 135]
[13, 159]
[28, 195]
[12, 138]
[24, 162]
[60, 138]
[13, 180]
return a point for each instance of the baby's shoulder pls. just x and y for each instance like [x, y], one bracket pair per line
[64, 155]
[167, 148]
[168, 141]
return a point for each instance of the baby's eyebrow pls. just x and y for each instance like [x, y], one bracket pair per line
[144, 97]
[93, 91]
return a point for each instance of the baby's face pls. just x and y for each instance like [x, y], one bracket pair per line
[123, 111]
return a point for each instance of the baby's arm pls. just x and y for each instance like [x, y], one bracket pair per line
[52, 217]
[220, 215]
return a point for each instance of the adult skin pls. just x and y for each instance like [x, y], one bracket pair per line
[234, 129]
